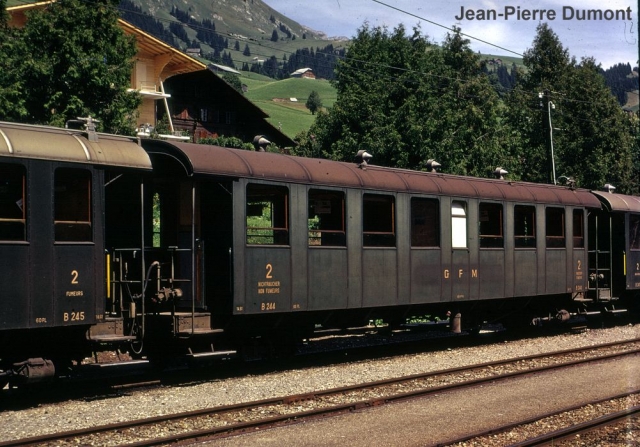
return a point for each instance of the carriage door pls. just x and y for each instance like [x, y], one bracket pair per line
[74, 247]
[599, 277]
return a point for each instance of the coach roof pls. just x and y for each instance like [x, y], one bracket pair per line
[220, 161]
[56, 144]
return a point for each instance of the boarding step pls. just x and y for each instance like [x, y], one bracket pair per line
[212, 354]
[614, 311]
[187, 324]
[109, 330]
[580, 297]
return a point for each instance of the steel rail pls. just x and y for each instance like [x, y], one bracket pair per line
[331, 410]
[511, 425]
[584, 427]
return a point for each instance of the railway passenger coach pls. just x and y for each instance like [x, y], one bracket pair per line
[180, 249]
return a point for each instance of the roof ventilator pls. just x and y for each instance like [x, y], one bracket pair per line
[362, 158]
[432, 165]
[609, 188]
[260, 143]
[569, 181]
[89, 125]
[499, 173]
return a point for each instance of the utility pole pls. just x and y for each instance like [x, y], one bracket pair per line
[545, 101]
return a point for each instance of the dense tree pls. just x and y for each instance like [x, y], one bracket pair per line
[11, 83]
[561, 102]
[406, 100]
[77, 61]
[274, 36]
[313, 102]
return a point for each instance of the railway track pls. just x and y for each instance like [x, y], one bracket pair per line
[234, 419]
[554, 436]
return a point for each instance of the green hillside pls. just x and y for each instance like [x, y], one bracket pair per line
[275, 98]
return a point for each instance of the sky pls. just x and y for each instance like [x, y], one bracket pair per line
[609, 39]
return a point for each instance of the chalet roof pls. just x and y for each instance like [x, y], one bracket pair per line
[300, 71]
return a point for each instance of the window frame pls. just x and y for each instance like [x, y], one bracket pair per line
[578, 237]
[327, 237]
[495, 220]
[459, 220]
[634, 232]
[68, 217]
[265, 193]
[555, 240]
[16, 182]
[521, 238]
[419, 237]
[375, 232]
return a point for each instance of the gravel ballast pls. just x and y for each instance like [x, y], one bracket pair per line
[71, 415]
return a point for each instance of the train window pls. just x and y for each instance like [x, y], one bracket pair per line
[524, 226]
[13, 203]
[378, 221]
[490, 226]
[458, 225]
[267, 215]
[72, 205]
[634, 231]
[156, 220]
[326, 218]
[578, 229]
[425, 223]
[555, 228]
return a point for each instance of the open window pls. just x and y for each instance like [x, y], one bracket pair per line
[13, 203]
[634, 231]
[578, 229]
[425, 222]
[490, 225]
[267, 215]
[524, 226]
[555, 228]
[378, 221]
[72, 205]
[326, 218]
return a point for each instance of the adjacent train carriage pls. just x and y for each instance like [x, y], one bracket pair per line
[52, 237]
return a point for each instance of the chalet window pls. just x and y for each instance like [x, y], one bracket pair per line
[204, 115]
[72, 205]
[378, 221]
[524, 223]
[458, 225]
[555, 228]
[425, 223]
[490, 225]
[578, 229]
[13, 203]
[267, 215]
[634, 231]
[326, 218]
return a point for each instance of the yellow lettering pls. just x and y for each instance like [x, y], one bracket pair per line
[65, 316]
[460, 273]
[474, 273]
[446, 274]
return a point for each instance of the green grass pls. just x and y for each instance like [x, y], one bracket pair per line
[274, 98]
